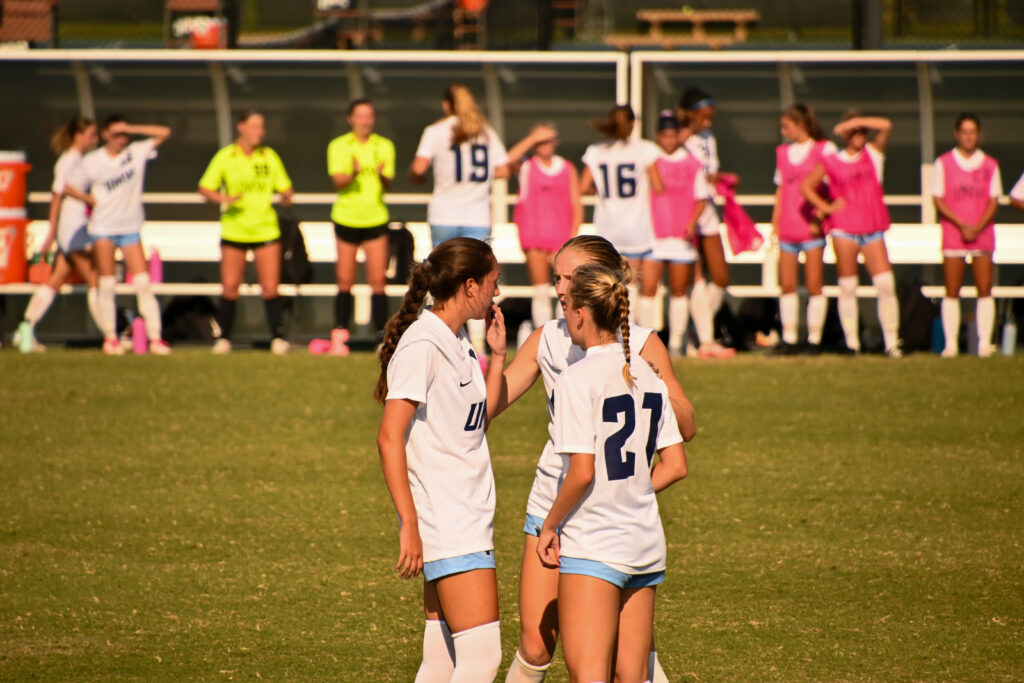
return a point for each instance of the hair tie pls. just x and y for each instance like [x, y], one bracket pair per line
[700, 104]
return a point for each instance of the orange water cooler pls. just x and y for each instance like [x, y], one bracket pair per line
[13, 221]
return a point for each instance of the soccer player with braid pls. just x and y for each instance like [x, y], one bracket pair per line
[437, 406]
[603, 531]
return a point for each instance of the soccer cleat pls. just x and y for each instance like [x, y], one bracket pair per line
[339, 336]
[784, 349]
[949, 352]
[716, 350]
[279, 347]
[159, 347]
[26, 332]
[338, 350]
[986, 351]
[319, 347]
[812, 349]
[221, 346]
[112, 347]
[895, 352]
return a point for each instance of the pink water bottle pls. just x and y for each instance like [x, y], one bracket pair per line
[156, 267]
[139, 342]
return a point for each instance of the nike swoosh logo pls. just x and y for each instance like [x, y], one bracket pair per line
[466, 383]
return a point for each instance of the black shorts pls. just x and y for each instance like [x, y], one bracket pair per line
[246, 246]
[359, 235]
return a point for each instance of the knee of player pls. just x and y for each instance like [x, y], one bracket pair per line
[534, 648]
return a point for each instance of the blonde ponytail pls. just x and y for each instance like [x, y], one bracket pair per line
[470, 120]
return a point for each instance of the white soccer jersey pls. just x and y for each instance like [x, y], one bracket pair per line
[1018, 189]
[971, 163]
[116, 183]
[622, 214]
[616, 521]
[462, 174]
[555, 353]
[446, 450]
[72, 215]
[704, 146]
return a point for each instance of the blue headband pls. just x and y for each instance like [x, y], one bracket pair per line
[706, 102]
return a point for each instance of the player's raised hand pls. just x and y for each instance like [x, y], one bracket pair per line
[410, 552]
[496, 337]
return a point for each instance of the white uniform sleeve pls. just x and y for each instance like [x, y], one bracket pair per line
[668, 430]
[1018, 190]
[145, 148]
[877, 160]
[426, 146]
[996, 188]
[588, 156]
[524, 179]
[573, 430]
[61, 171]
[938, 188]
[411, 371]
[651, 153]
[496, 151]
[701, 190]
[829, 148]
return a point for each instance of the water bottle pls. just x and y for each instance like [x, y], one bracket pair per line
[26, 337]
[1009, 334]
[156, 267]
[140, 344]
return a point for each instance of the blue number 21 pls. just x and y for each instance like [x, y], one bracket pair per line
[623, 465]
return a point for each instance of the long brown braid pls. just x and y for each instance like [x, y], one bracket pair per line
[448, 267]
[600, 290]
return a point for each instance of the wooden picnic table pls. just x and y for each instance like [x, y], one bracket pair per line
[697, 19]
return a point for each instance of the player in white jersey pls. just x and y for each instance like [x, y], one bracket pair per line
[546, 354]
[713, 272]
[603, 530]
[435, 458]
[110, 180]
[622, 171]
[68, 219]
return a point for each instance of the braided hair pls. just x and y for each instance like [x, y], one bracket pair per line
[604, 294]
[449, 266]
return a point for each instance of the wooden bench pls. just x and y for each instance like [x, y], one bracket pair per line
[30, 21]
[696, 19]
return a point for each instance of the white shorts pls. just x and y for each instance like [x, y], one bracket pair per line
[709, 222]
[74, 239]
[675, 250]
[964, 253]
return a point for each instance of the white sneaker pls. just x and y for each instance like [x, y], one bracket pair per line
[159, 347]
[16, 340]
[895, 352]
[112, 347]
[949, 352]
[221, 346]
[986, 351]
[279, 347]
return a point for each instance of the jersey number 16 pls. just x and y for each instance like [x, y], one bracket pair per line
[623, 465]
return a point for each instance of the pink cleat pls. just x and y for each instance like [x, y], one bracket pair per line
[716, 350]
[159, 347]
[319, 347]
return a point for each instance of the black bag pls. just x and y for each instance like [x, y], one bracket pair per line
[916, 315]
[189, 319]
[401, 247]
[295, 267]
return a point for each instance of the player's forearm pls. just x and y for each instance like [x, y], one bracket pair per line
[149, 130]
[575, 484]
[670, 468]
[396, 476]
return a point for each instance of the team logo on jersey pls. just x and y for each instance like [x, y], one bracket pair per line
[477, 416]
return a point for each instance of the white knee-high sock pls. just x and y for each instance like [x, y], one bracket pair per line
[39, 304]
[645, 312]
[477, 654]
[107, 305]
[789, 316]
[540, 306]
[522, 671]
[634, 295]
[655, 674]
[817, 308]
[985, 316]
[715, 296]
[438, 654]
[888, 308]
[951, 323]
[148, 305]
[678, 321]
[701, 311]
[92, 300]
[849, 316]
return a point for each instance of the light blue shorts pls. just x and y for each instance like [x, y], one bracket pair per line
[861, 239]
[440, 233]
[637, 255]
[533, 525]
[438, 569]
[599, 570]
[796, 247]
[120, 240]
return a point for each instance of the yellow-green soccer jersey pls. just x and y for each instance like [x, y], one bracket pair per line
[360, 204]
[255, 178]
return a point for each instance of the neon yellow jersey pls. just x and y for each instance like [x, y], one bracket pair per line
[360, 204]
[255, 179]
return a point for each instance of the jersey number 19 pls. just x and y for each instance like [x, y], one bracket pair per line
[477, 160]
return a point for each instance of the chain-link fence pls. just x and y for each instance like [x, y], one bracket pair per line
[500, 24]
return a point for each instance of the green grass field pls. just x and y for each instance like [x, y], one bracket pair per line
[224, 518]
